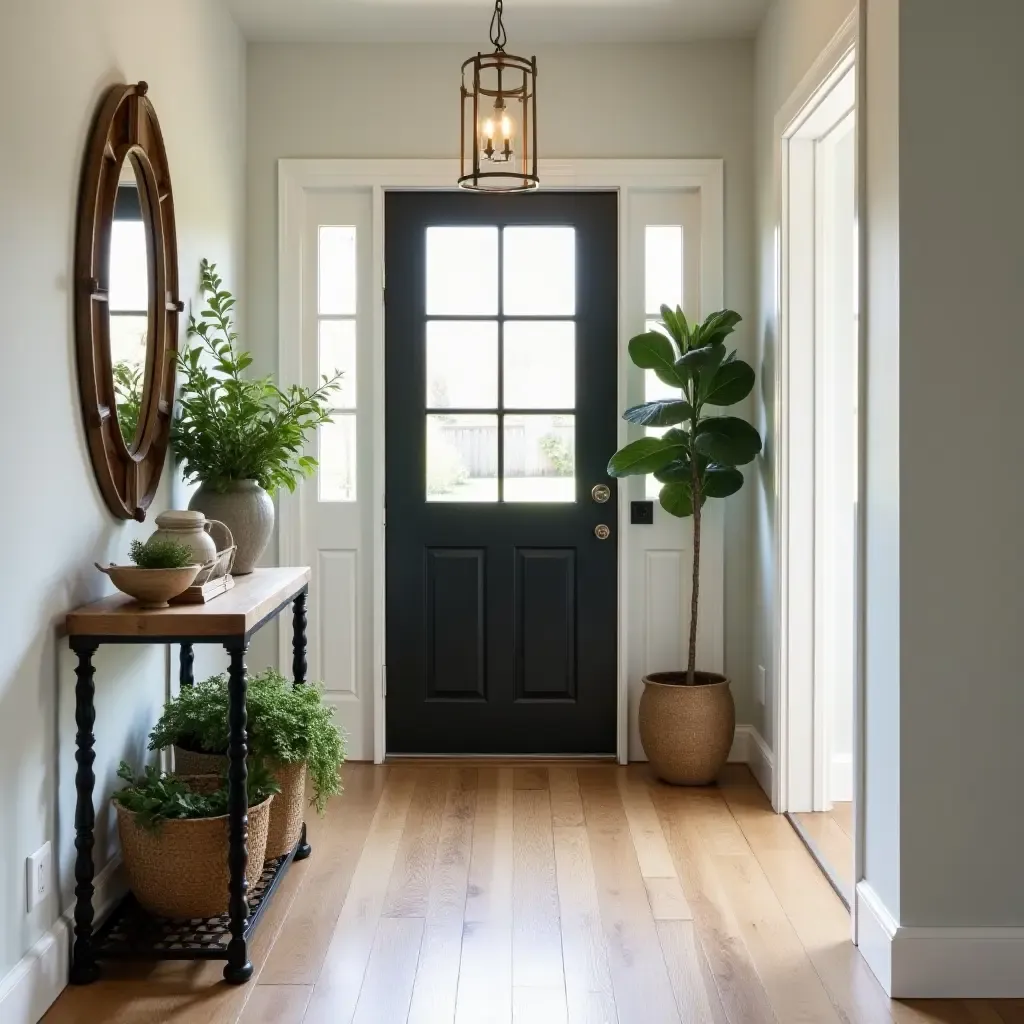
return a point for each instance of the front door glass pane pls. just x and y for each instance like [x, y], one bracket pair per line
[462, 364]
[540, 459]
[539, 271]
[462, 271]
[462, 457]
[540, 364]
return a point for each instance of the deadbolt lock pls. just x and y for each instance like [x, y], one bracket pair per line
[602, 532]
[600, 493]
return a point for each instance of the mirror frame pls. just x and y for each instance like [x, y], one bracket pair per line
[126, 128]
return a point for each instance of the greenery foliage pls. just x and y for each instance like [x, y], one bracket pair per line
[161, 554]
[696, 458]
[157, 797]
[286, 723]
[229, 427]
[128, 380]
[556, 450]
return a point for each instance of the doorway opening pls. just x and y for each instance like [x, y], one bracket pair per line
[819, 469]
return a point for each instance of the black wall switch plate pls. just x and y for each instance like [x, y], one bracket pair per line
[641, 513]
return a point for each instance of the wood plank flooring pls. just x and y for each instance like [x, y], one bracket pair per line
[483, 893]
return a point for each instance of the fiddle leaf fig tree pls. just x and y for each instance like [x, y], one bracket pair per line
[697, 457]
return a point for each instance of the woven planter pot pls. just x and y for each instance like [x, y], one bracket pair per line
[180, 870]
[287, 811]
[687, 731]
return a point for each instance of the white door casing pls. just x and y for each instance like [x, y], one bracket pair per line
[343, 542]
[822, 102]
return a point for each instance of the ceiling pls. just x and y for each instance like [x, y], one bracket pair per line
[532, 21]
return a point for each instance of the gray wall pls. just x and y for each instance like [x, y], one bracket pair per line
[687, 100]
[56, 58]
[960, 366]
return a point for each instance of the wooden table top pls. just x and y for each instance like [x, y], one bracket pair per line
[235, 613]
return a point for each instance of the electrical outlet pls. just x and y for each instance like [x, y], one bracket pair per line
[37, 876]
[760, 684]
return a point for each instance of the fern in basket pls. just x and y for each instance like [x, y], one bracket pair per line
[286, 723]
[157, 797]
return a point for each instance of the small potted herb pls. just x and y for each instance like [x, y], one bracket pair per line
[162, 570]
[174, 838]
[242, 438]
[290, 727]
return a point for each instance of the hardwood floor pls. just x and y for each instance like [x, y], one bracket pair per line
[540, 894]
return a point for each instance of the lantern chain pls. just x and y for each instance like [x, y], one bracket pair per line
[498, 36]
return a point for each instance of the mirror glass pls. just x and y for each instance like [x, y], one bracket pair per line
[129, 301]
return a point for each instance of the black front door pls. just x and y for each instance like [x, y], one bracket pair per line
[501, 337]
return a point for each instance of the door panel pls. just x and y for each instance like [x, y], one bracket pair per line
[501, 412]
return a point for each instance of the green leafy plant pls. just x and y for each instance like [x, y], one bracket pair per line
[696, 458]
[128, 380]
[229, 427]
[161, 554]
[558, 453]
[156, 796]
[286, 723]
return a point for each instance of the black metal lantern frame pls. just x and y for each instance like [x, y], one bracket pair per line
[499, 116]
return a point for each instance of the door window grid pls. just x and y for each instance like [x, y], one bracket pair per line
[486, 448]
[336, 350]
[663, 285]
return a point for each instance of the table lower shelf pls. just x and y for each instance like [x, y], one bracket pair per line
[132, 933]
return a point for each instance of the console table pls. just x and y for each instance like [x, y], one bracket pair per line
[229, 620]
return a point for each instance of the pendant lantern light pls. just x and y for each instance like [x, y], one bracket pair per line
[499, 118]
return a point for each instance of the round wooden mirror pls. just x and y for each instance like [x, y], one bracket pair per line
[126, 299]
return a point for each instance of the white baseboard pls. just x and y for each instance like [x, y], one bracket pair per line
[749, 748]
[841, 777]
[876, 929]
[39, 977]
[939, 963]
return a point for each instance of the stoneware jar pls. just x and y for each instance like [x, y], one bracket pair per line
[247, 510]
[687, 731]
[195, 531]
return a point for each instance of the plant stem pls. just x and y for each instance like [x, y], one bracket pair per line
[695, 495]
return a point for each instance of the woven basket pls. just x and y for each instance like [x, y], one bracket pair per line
[180, 870]
[287, 811]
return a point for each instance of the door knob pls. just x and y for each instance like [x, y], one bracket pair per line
[600, 493]
[602, 532]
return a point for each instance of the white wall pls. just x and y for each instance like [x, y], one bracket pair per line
[792, 36]
[692, 100]
[56, 58]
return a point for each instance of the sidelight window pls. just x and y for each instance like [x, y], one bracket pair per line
[336, 350]
[500, 364]
[663, 285]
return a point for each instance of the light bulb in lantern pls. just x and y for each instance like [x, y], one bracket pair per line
[496, 134]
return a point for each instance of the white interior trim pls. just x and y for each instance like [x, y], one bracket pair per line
[939, 963]
[297, 177]
[808, 110]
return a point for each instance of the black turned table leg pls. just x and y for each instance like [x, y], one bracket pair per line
[238, 968]
[303, 850]
[83, 959]
[299, 639]
[186, 659]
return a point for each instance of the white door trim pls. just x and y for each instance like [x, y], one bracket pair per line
[296, 177]
[794, 626]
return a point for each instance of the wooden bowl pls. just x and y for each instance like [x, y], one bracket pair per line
[152, 588]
